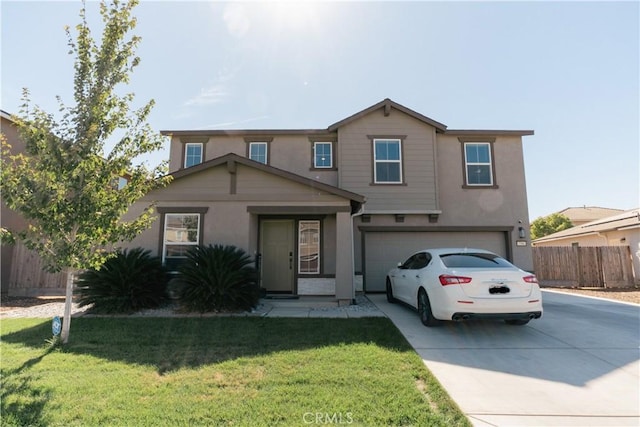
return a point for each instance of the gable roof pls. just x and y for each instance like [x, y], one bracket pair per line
[231, 158]
[387, 105]
[622, 221]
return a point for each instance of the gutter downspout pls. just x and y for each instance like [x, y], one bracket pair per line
[353, 255]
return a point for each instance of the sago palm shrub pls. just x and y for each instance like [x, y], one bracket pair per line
[217, 278]
[128, 282]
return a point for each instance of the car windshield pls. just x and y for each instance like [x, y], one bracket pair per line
[474, 260]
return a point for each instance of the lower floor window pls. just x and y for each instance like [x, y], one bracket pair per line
[309, 247]
[181, 232]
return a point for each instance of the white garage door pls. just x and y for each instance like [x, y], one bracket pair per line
[383, 250]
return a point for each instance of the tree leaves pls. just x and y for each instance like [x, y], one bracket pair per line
[549, 224]
[64, 184]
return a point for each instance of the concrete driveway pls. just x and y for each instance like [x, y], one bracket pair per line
[579, 365]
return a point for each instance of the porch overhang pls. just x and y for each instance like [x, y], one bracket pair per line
[297, 210]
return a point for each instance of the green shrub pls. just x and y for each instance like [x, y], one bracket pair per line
[129, 281]
[215, 278]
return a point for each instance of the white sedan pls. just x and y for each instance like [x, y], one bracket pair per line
[460, 284]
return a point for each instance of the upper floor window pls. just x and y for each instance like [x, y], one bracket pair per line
[478, 164]
[192, 154]
[322, 155]
[387, 158]
[258, 152]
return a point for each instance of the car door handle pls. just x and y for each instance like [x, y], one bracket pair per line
[417, 276]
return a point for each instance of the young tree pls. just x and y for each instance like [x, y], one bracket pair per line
[549, 224]
[66, 183]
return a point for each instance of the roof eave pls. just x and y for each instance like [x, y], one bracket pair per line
[488, 132]
[358, 198]
[6, 116]
[245, 132]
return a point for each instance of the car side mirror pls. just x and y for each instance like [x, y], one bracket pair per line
[399, 264]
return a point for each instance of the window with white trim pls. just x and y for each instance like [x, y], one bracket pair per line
[192, 154]
[387, 158]
[478, 165]
[258, 152]
[322, 155]
[181, 232]
[309, 247]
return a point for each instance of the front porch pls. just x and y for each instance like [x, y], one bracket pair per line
[318, 307]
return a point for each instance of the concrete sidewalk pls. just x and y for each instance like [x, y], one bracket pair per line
[318, 307]
[579, 365]
[314, 307]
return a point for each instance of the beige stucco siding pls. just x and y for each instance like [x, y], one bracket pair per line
[228, 220]
[201, 186]
[505, 205]
[253, 182]
[418, 191]
[482, 206]
[328, 244]
[292, 153]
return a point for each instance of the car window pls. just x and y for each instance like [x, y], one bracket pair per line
[416, 261]
[474, 260]
[421, 261]
[407, 264]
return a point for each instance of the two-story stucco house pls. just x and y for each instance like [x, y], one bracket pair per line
[329, 211]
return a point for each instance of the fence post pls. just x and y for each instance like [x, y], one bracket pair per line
[580, 272]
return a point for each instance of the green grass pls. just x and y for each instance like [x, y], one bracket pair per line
[218, 371]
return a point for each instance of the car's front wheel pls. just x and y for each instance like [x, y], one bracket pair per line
[424, 310]
[390, 297]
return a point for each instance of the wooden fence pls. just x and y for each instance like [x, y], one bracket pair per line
[601, 266]
[29, 279]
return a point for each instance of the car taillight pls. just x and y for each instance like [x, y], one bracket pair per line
[446, 279]
[530, 279]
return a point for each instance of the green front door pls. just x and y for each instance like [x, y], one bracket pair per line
[277, 246]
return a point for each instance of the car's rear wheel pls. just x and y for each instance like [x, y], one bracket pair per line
[516, 322]
[424, 310]
[390, 297]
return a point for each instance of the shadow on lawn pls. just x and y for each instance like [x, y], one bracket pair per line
[21, 402]
[169, 344]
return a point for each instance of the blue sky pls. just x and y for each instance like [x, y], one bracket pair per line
[567, 70]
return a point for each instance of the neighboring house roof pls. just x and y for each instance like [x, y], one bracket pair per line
[582, 214]
[386, 104]
[5, 115]
[231, 158]
[623, 221]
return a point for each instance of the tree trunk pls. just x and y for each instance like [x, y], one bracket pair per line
[66, 323]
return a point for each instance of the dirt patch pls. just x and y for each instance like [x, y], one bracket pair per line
[11, 303]
[618, 294]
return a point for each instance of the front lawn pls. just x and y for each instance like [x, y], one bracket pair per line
[218, 371]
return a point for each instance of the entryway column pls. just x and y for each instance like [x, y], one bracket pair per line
[344, 259]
